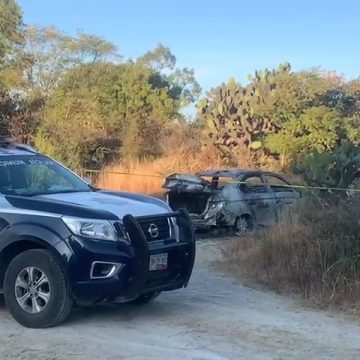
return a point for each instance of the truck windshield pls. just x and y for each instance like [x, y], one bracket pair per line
[31, 175]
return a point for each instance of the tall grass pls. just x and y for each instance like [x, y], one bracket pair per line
[148, 175]
[314, 251]
[182, 148]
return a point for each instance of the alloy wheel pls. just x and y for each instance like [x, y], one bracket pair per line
[32, 290]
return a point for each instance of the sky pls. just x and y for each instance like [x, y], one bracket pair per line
[218, 39]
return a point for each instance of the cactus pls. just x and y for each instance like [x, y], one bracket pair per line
[233, 112]
[334, 169]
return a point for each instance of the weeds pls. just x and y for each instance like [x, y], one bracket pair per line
[152, 172]
[314, 251]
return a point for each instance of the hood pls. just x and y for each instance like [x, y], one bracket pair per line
[120, 204]
[93, 205]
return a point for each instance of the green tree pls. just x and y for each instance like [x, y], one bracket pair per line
[316, 129]
[99, 107]
[294, 92]
[48, 54]
[10, 28]
[39, 65]
[181, 83]
[10, 39]
[316, 115]
[159, 59]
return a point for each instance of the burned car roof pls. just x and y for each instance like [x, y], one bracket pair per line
[183, 182]
[232, 172]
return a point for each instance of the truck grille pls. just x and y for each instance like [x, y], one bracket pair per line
[155, 229]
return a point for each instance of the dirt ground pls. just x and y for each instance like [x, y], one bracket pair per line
[216, 317]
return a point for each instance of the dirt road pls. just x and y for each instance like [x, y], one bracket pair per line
[214, 318]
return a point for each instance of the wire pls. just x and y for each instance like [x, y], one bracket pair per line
[305, 187]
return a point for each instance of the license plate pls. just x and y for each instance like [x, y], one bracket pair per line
[158, 262]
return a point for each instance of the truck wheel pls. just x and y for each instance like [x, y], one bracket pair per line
[144, 299]
[36, 290]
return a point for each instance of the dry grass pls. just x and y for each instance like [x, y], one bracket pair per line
[314, 252]
[148, 175]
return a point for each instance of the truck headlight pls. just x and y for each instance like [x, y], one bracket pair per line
[91, 228]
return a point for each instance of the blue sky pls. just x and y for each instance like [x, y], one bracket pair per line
[219, 39]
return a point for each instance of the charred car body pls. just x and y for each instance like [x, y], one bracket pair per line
[239, 198]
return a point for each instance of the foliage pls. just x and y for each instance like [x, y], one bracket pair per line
[10, 28]
[114, 104]
[159, 59]
[181, 82]
[235, 114]
[282, 116]
[313, 252]
[35, 72]
[60, 87]
[334, 169]
[317, 128]
[10, 39]
[48, 54]
[19, 116]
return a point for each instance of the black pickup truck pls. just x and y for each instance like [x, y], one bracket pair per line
[63, 241]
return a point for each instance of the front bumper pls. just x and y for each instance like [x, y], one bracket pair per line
[134, 279]
[203, 222]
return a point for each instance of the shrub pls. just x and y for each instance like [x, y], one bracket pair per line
[314, 251]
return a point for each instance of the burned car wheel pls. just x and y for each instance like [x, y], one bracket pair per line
[243, 225]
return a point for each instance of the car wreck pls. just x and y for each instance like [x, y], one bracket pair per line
[241, 199]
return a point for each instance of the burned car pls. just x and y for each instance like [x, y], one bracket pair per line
[238, 198]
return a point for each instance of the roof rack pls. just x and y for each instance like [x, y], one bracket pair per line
[9, 143]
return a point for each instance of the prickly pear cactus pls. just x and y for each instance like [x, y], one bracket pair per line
[335, 169]
[233, 112]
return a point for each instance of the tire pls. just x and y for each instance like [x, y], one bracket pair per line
[144, 299]
[37, 306]
[243, 225]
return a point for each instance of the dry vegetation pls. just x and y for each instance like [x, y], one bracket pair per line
[314, 252]
[148, 176]
[185, 151]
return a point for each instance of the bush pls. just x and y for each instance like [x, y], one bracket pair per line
[314, 251]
